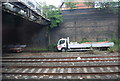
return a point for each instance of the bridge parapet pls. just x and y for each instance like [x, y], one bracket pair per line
[24, 11]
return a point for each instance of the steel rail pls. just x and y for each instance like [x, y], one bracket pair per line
[60, 66]
[62, 57]
[67, 60]
[94, 73]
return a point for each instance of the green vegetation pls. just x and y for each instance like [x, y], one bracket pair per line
[102, 40]
[84, 40]
[52, 47]
[114, 7]
[116, 47]
[89, 4]
[54, 14]
[71, 5]
[37, 49]
[113, 49]
[110, 7]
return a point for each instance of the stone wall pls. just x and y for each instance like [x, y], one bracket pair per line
[17, 30]
[90, 24]
[80, 24]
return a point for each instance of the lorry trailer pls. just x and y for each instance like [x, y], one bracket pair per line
[65, 45]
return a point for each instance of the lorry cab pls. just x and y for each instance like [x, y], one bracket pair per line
[62, 44]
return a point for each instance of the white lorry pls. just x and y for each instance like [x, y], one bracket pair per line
[65, 45]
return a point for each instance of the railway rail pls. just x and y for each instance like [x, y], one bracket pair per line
[95, 73]
[64, 59]
[61, 57]
[62, 66]
[67, 61]
[55, 54]
[71, 67]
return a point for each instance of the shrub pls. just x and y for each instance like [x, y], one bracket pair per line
[116, 47]
[52, 47]
[39, 49]
[84, 40]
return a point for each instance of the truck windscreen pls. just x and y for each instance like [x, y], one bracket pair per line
[62, 42]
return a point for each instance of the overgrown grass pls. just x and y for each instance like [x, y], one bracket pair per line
[116, 47]
[84, 40]
[102, 40]
[37, 49]
[52, 47]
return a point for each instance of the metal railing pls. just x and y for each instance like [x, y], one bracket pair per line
[18, 8]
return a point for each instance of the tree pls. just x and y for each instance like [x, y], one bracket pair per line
[71, 5]
[111, 7]
[54, 14]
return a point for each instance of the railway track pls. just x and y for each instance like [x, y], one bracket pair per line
[96, 73]
[61, 57]
[67, 60]
[58, 66]
[67, 67]
[55, 55]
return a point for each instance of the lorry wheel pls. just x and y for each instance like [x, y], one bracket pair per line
[63, 50]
